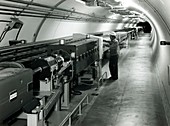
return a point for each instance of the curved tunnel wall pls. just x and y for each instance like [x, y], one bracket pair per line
[52, 29]
[160, 57]
[27, 31]
[67, 28]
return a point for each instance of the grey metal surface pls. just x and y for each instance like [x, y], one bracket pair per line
[134, 99]
[14, 90]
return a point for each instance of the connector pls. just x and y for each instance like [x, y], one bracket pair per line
[164, 43]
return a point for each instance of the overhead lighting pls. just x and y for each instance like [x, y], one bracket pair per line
[126, 3]
[135, 12]
[91, 3]
[125, 18]
[117, 0]
[80, 1]
[119, 8]
[162, 2]
[114, 16]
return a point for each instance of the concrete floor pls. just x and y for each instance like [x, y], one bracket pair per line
[133, 99]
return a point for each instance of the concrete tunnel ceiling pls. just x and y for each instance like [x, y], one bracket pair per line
[102, 12]
[103, 9]
[106, 8]
[119, 11]
[152, 11]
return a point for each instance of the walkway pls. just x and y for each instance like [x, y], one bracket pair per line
[134, 99]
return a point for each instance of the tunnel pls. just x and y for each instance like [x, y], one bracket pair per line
[146, 26]
[31, 30]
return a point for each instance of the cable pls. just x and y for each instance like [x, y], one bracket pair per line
[5, 21]
[18, 32]
[3, 35]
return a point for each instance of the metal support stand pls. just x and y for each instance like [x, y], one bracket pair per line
[32, 119]
[99, 72]
[35, 119]
[66, 98]
[77, 108]
[80, 110]
[57, 106]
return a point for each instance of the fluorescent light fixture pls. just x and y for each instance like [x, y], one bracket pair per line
[135, 12]
[118, 8]
[80, 1]
[162, 2]
[117, 0]
[125, 18]
[126, 3]
[114, 16]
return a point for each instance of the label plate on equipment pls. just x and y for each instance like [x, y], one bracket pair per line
[13, 95]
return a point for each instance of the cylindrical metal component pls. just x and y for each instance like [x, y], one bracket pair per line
[39, 69]
[80, 110]
[69, 121]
